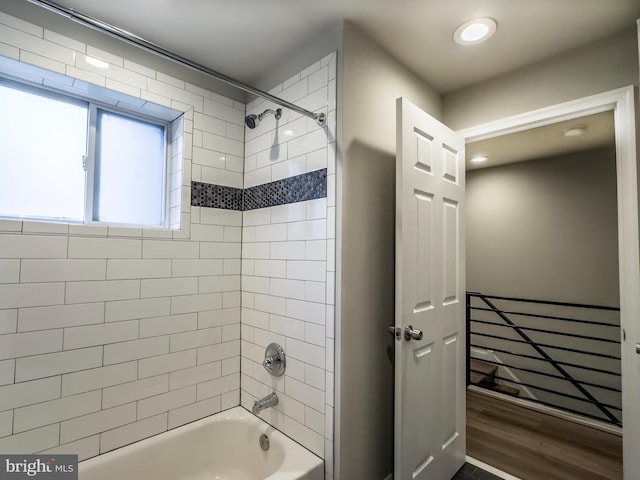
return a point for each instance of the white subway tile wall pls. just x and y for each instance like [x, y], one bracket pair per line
[288, 269]
[109, 335]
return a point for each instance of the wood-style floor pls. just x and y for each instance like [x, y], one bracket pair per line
[535, 446]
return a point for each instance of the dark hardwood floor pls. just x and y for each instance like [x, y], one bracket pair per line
[535, 446]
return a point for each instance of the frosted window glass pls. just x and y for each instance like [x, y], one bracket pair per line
[43, 140]
[130, 164]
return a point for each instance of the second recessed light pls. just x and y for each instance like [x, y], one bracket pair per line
[475, 31]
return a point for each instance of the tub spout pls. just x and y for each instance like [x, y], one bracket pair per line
[270, 400]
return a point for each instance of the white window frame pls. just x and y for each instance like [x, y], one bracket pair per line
[90, 155]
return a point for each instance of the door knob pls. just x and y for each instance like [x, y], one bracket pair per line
[393, 330]
[411, 333]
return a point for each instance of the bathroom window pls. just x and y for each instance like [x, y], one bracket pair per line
[66, 159]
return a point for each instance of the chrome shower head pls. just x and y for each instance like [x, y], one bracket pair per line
[253, 120]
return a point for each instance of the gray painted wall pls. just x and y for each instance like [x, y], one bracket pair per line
[545, 229]
[371, 82]
[594, 68]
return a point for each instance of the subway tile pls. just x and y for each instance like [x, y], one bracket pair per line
[280, 287]
[255, 284]
[287, 326]
[195, 338]
[305, 352]
[217, 318]
[196, 303]
[98, 291]
[270, 268]
[223, 111]
[209, 124]
[31, 441]
[61, 270]
[305, 436]
[9, 225]
[166, 287]
[314, 334]
[149, 367]
[271, 233]
[218, 386]
[288, 250]
[40, 366]
[133, 391]
[85, 448]
[130, 269]
[64, 41]
[197, 268]
[256, 250]
[31, 295]
[124, 232]
[222, 283]
[270, 304]
[316, 250]
[315, 292]
[314, 420]
[194, 375]
[307, 143]
[135, 349]
[216, 216]
[290, 168]
[91, 424]
[220, 250]
[134, 432]
[329, 387]
[207, 233]
[133, 309]
[166, 401]
[81, 247]
[33, 44]
[7, 371]
[30, 343]
[88, 230]
[317, 160]
[43, 62]
[314, 376]
[22, 25]
[214, 353]
[8, 321]
[312, 271]
[307, 311]
[307, 230]
[169, 249]
[34, 416]
[312, 397]
[329, 355]
[195, 411]
[170, 91]
[222, 144]
[153, 327]
[29, 393]
[232, 234]
[231, 299]
[9, 51]
[103, 334]
[96, 378]
[45, 227]
[6, 423]
[32, 246]
[231, 365]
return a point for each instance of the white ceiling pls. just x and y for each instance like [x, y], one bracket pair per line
[242, 38]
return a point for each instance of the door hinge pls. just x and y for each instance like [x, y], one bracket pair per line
[84, 162]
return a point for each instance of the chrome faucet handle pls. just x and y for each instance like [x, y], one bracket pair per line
[275, 360]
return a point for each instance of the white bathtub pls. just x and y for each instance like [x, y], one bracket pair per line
[221, 447]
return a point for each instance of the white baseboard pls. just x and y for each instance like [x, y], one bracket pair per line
[490, 469]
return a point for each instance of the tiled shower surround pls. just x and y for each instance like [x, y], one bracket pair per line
[109, 335]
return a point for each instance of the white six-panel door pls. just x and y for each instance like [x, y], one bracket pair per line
[430, 373]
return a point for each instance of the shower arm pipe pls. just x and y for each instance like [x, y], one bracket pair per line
[156, 49]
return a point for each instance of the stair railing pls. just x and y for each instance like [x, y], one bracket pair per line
[541, 349]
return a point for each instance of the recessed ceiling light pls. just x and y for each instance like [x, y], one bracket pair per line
[574, 131]
[478, 159]
[96, 62]
[475, 31]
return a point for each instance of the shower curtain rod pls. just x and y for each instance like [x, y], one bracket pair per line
[137, 41]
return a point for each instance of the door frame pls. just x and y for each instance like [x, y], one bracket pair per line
[622, 102]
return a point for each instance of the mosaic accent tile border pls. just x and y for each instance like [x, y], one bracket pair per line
[308, 186]
[215, 196]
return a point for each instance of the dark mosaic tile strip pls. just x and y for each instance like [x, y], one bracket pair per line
[215, 196]
[308, 186]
